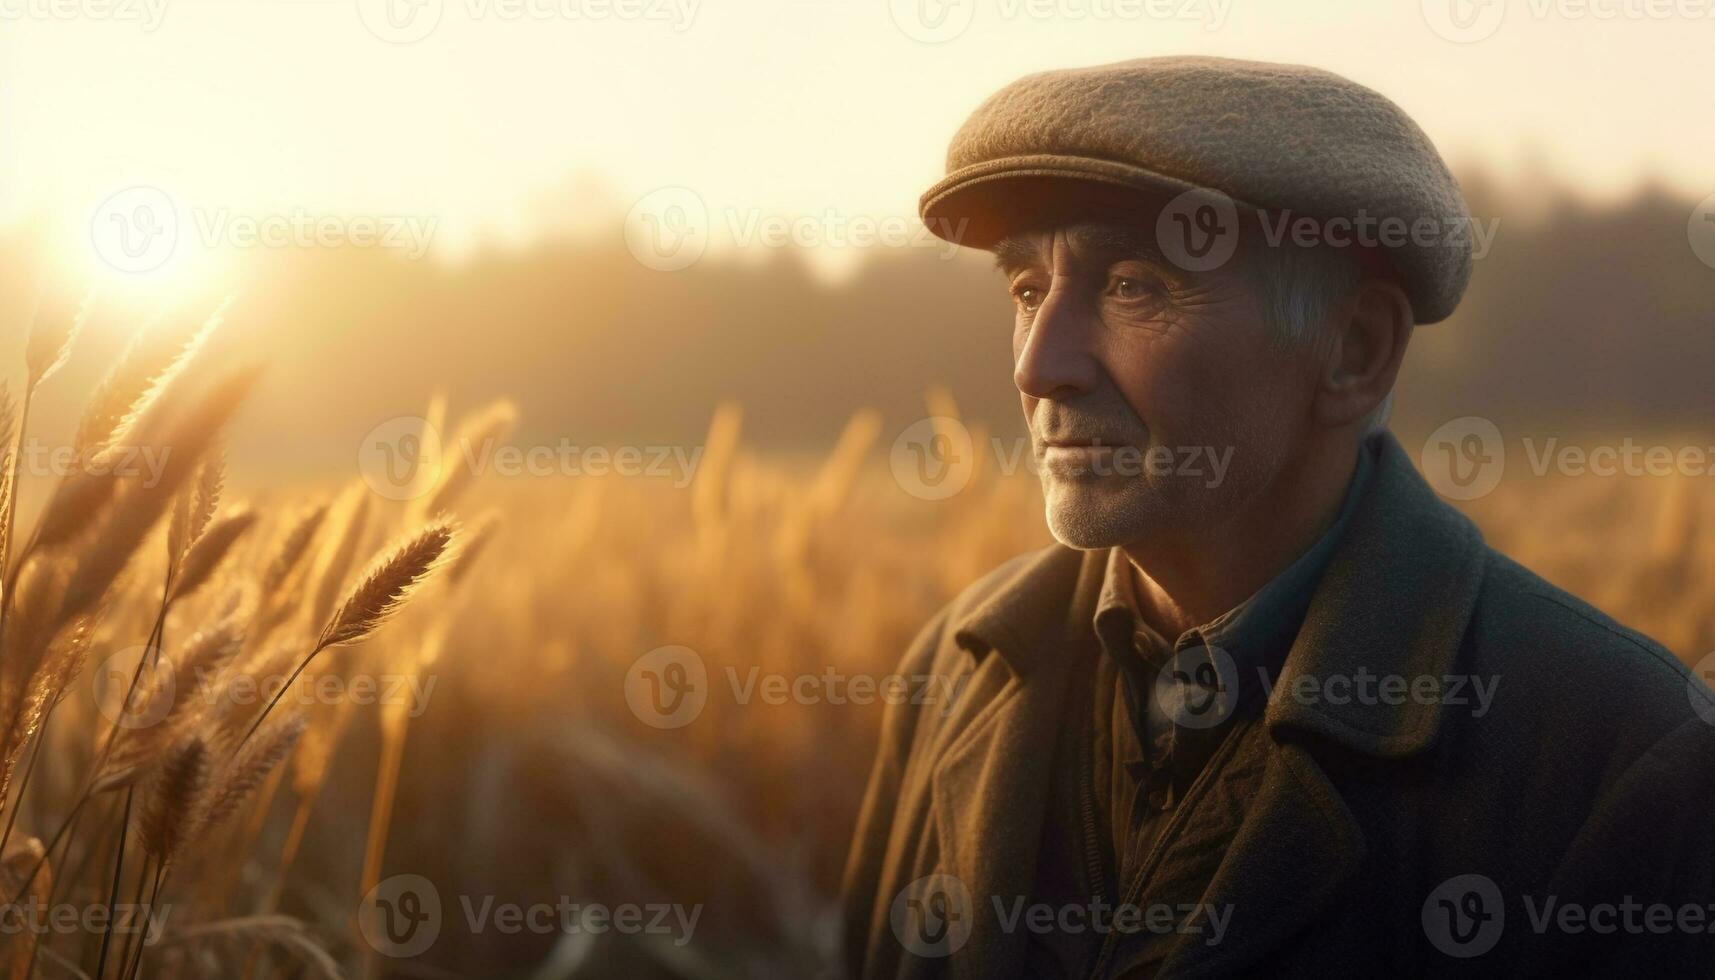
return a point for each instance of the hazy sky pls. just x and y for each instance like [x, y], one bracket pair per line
[258, 109]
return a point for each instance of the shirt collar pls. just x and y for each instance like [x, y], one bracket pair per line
[1258, 631]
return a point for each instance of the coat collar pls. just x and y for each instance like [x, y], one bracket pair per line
[1394, 600]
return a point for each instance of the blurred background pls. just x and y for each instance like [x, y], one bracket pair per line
[649, 275]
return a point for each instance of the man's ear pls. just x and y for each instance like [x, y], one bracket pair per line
[1368, 345]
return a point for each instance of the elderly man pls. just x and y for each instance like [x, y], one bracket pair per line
[1297, 719]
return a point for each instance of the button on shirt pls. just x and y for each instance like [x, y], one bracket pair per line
[1145, 720]
[1166, 715]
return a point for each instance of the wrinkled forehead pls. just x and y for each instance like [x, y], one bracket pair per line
[1092, 240]
[1103, 228]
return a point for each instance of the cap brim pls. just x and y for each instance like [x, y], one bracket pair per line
[980, 204]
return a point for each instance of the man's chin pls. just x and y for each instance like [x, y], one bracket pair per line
[1087, 517]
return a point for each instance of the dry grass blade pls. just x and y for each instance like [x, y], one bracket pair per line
[117, 417]
[170, 705]
[136, 510]
[472, 546]
[282, 931]
[331, 576]
[49, 346]
[79, 496]
[292, 549]
[258, 757]
[208, 549]
[388, 583]
[8, 452]
[196, 506]
[23, 854]
[174, 800]
[473, 440]
[151, 375]
[8, 412]
[48, 686]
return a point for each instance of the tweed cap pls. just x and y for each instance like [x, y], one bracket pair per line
[1291, 141]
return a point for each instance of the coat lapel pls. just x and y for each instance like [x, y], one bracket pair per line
[1395, 600]
[991, 786]
[1298, 844]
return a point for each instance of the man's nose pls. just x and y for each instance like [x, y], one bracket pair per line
[1058, 360]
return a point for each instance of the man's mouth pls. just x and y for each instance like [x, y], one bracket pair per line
[1076, 457]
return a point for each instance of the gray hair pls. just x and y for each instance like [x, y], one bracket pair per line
[1301, 287]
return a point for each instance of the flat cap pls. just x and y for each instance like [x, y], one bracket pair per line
[1288, 140]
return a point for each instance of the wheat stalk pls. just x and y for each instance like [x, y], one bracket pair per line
[487, 426]
[383, 589]
[207, 549]
[331, 574]
[174, 800]
[251, 766]
[196, 506]
[292, 549]
[379, 593]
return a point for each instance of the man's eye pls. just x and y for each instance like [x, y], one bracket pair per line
[1027, 297]
[1126, 287]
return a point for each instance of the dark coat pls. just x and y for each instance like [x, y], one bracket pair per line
[1588, 780]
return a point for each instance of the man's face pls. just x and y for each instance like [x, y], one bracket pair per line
[1155, 397]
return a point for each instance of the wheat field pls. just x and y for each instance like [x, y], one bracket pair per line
[176, 769]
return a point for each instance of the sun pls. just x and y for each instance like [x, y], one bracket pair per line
[138, 241]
